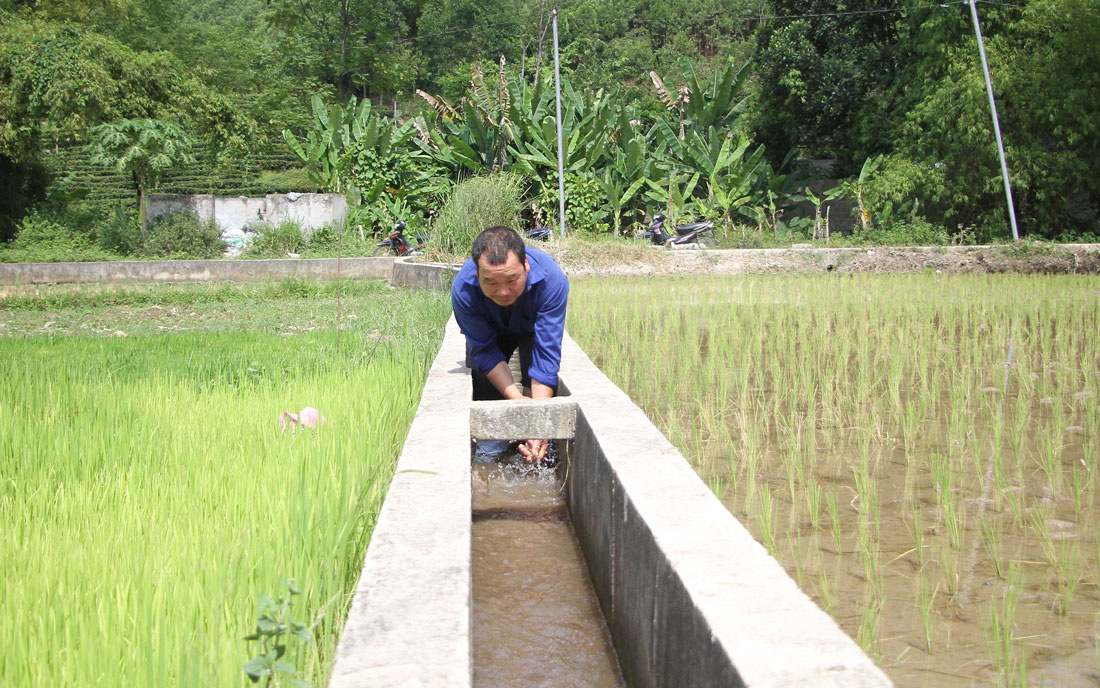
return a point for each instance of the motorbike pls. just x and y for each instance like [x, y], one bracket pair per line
[539, 233]
[694, 235]
[399, 245]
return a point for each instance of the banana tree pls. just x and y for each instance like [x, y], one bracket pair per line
[854, 188]
[628, 170]
[699, 107]
[676, 198]
[338, 133]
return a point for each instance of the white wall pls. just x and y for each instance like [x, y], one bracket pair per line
[309, 210]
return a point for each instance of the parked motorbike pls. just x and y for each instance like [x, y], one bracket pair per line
[399, 245]
[539, 233]
[694, 235]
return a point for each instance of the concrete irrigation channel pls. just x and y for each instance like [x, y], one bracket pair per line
[689, 598]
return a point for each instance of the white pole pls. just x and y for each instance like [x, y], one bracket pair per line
[561, 149]
[996, 123]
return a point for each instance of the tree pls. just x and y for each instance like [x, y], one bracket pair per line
[1046, 78]
[146, 148]
[820, 71]
[354, 42]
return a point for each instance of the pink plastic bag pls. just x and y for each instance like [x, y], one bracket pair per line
[308, 417]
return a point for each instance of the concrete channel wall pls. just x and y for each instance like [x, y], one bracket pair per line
[120, 272]
[690, 598]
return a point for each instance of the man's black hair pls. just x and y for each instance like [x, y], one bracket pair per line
[495, 243]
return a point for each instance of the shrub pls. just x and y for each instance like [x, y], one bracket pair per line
[183, 235]
[473, 205]
[585, 207]
[120, 231]
[275, 241]
[46, 238]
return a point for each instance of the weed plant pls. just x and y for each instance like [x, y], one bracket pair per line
[149, 498]
[473, 205]
[939, 454]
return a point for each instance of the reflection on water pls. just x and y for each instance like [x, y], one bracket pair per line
[536, 621]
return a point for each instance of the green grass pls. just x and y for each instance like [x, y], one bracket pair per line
[150, 500]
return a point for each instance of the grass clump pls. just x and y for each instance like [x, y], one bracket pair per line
[473, 205]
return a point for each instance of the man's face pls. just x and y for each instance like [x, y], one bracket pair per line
[503, 283]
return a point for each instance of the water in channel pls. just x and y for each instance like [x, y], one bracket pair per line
[536, 620]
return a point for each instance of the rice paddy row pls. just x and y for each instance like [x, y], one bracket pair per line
[919, 451]
[150, 499]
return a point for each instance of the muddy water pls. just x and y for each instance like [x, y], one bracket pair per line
[536, 621]
[877, 599]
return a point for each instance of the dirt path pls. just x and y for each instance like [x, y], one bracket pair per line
[1026, 258]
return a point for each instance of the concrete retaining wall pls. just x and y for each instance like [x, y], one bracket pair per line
[422, 275]
[193, 270]
[309, 210]
[690, 597]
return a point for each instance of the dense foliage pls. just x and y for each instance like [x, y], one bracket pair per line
[897, 82]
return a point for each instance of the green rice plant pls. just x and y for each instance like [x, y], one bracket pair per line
[954, 521]
[867, 633]
[918, 533]
[1079, 482]
[1050, 455]
[764, 519]
[1039, 520]
[834, 519]
[926, 602]
[949, 570]
[813, 494]
[825, 592]
[992, 545]
[1070, 568]
[1007, 652]
[868, 556]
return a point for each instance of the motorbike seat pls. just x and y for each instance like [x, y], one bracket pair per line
[694, 226]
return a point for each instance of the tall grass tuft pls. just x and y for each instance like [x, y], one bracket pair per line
[473, 205]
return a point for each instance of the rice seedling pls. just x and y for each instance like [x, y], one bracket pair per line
[926, 602]
[867, 634]
[813, 504]
[992, 544]
[834, 519]
[764, 519]
[1005, 645]
[825, 592]
[1040, 526]
[918, 533]
[1069, 569]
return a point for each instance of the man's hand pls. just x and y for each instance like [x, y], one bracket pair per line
[534, 450]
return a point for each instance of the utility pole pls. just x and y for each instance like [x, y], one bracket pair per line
[996, 123]
[561, 148]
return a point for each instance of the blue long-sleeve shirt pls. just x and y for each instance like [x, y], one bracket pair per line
[540, 309]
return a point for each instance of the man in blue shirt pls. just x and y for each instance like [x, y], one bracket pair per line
[508, 295]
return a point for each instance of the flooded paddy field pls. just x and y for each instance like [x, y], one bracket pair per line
[919, 451]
